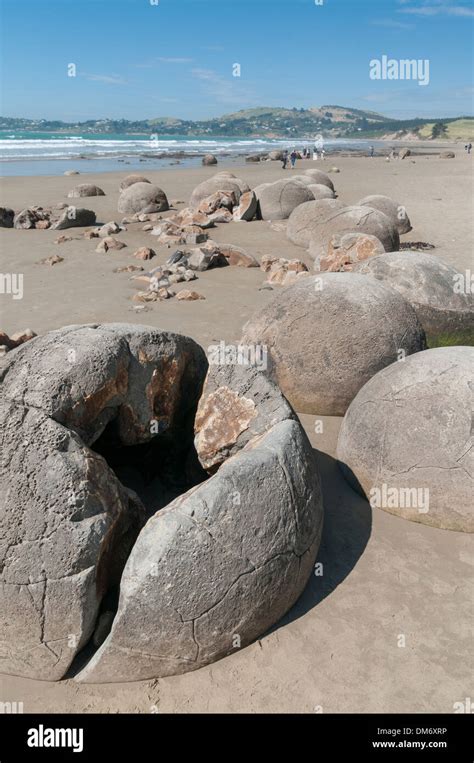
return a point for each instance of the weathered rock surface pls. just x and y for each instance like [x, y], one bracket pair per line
[447, 155]
[406, 440]
[345, 250]
[232, 555]
[320, 191]
[74, 217]
[441, 296]
[327, 335]
[213, 185]
[404, 153]
[247, 208]
[131, 179]
[7, 216]
[142, 197]
[309, 216]
[277, 201]
[352, 220]
[320, 178]
[395, 212]
[209, 159]
[85, 189]
[67, 523]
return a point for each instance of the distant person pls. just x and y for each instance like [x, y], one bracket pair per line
[284, 160]
[315, 155]
[323, 154]
[469, 148]
[371, 151]
[293, 157]
[392, 154]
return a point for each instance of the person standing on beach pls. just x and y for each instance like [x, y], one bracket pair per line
[371, 152]
[315, 154]
[469, 148]
[284, 160]
[293, 159]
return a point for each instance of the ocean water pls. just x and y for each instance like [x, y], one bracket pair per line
[41, 153]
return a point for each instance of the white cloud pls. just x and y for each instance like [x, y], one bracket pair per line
[108, 79]
[227, 90]
[436, 8]
[391, 24]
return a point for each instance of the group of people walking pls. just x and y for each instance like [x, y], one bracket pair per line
[294, 155]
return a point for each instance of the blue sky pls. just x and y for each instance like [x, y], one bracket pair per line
[136, 60]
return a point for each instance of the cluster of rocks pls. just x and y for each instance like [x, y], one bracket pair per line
[281, 271]
[111, 568]
[277, 201]
[8, 343]
[59, 217]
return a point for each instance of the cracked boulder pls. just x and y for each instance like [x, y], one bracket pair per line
[137, 537]
[406, 441]
[217, 184]
[395, 211]
[353, 220]
[320, 178]
[327, 335]
[308, 216]
[441, 296]
[67, 523]
[277, 201]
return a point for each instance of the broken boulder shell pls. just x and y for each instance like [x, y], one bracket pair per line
[406, 440]
[98, 438]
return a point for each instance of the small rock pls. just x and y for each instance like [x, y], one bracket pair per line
[108, 229]
[7, 217]
[147, 227]
[109, 243]
[53, 260]
[62, 239]
[209, 159]
[144, 253]
[91, 234]
[42, 224]
[189, 295]
[128, 269]
[71, 172]
[85, 189]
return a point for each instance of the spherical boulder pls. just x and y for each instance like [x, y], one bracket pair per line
[319, 177]
[209, 187]
[395, 212]
[308, 215]
[231, 555]
[327, 335]
[142, 197]
[320, 191]
[441, 296]
[131, 179]
[209, 159]
[275, 156]
[353, 219]
[85, 189]
[447, 155]
[278, 200]
[406, 440]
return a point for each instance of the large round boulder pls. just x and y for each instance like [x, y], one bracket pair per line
[142, 197]
[85, 189]
[406, 440]
[320, 191]
[440, 295]
[278, 200]
[131, 179]
[395, 212]
[275, 156]
[320, 178]
[121, 532]
[353, 220]
[308, 215]
[209, 159]
[327, 335]
[211, 186]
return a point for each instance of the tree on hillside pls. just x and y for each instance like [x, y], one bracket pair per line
[439, 130]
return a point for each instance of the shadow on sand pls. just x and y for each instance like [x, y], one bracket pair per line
[347, 528]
